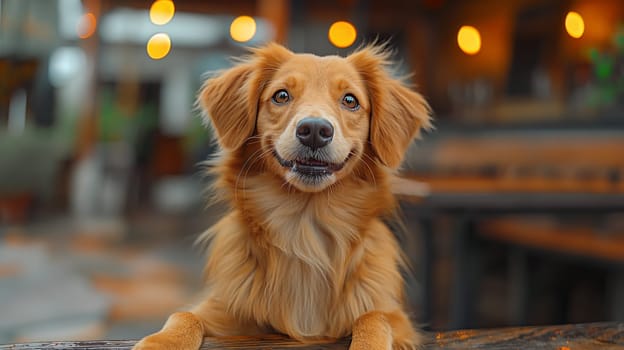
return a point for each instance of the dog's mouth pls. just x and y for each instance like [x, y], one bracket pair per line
[310, 166]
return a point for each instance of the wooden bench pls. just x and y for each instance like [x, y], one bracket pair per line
[527, 161]
[475, 177]
[565, 337]
[563, 156]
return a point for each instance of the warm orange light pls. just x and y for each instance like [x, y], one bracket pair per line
[161, 11]
[469, 40]
[86, 25]
[574, 24]
[342, 34]
[243, 28]
[158, 46]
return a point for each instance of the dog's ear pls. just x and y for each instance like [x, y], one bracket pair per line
[231, 98]
[397, 112]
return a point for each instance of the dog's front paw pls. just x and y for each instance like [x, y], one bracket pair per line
[153, 342]
[371, 331]
[182, 331]
[164, 341]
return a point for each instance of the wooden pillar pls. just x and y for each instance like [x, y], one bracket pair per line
[277, 13]
[518, 287]
[615, 293]
[87, 123]
[420, 48]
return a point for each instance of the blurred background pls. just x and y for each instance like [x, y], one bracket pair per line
[101, 197]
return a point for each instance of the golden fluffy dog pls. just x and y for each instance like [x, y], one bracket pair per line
[308, 147]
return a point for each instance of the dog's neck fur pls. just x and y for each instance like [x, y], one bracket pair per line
[316, 228]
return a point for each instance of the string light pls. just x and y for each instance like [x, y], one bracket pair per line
[86, 26]
[574, 24]
[158, 46]
[161, 12]
[469, 40]
[342, 34]
[243, 28]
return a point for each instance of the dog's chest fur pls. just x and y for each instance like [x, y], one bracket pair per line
[300, 269]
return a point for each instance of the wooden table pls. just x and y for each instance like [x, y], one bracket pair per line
[566, 337]
[467, 199]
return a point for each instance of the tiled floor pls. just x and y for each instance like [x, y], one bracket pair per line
[59, 280]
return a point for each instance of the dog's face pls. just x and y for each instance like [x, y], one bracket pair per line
[315, 116]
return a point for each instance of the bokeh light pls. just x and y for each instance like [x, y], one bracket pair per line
[86, 26]
[158, 46]
[342, 34]
[243, 28]
[574, 24]
[162, 11]
[469, 40]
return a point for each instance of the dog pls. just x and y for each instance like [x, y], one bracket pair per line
[308, 145]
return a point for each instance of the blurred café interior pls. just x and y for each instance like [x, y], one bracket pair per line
[519, 219]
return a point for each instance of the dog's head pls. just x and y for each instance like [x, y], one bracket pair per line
[317, 118]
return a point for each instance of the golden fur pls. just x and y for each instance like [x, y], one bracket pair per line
[300, 254]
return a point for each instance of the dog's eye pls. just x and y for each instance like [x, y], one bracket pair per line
[281, 97]
[350, 102]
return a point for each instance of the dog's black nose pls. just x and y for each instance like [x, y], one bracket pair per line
[314, 132]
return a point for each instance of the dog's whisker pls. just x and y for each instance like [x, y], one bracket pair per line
[259, 157]
[364, 155]
[247, 165]
[254, 157]
[238, 176]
